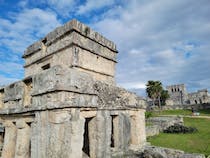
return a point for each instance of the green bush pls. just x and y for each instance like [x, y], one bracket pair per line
[177, 128]
[148, 114]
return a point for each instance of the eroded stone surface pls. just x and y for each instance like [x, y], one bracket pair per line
[159, 152]
[68, 105]
[180, 96]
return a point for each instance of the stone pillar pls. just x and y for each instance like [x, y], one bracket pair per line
[1, 99]
[23, 140]
[121, 132]
[39, 135]
[103, 135]
[9, 140]
[92, 137]
[76, 134]
[138, 133]
[57, 134]
[58, 124]
[124, 132]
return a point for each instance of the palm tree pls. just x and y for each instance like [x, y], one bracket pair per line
[154, 90]
[164, 96]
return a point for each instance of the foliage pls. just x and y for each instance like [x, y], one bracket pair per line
[177, 128]
[155, 91]
[198, 142]
[148, 114]
[164, 96]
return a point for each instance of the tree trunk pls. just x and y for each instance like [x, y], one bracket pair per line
[159, 102]
[153, 102]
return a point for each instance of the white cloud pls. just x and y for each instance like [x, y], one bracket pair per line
[10, 67]
[132, 85]
[23, 3]
[92, 5]
[62, 7]
[17, 32]
[25, 28]
[6, 80]
[161, 40]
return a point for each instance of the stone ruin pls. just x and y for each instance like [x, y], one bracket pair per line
[180, 96]
[68, 105]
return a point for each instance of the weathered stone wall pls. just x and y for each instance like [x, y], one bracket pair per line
[59, 102]
[199, 97]
[17, 137]
[178, 93]
[73, 45]
[179, 96]
[158, 124]
[68, 105]
[152, 130]
[160, 152]
[52, 133]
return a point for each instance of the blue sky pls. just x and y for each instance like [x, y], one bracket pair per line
[157, 39]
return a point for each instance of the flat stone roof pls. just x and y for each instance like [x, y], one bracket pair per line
[70, 26]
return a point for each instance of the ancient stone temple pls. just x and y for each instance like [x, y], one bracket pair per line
[68, 105]
[180, 96]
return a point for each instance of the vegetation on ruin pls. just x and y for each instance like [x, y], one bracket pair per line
[198, 142]
[148, 114]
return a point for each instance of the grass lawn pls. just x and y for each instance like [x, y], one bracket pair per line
[193, 143]
[181, 112]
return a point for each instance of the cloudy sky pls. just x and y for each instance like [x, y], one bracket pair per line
[162, 40]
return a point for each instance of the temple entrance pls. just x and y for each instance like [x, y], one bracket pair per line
[86, 138]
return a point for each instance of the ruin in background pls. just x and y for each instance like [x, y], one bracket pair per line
[68, 104]
[180, 96]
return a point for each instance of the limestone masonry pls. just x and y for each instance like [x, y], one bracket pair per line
[180, 96]
[68, 105]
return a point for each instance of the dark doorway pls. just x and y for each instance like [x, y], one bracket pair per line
[112, 131]
[196, 102]
[86, 141]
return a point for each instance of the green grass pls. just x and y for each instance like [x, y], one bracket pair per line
[185, 112]
[149, 123]
[198, 142]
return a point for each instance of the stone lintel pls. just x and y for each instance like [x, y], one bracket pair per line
[32, 110]
[57, 78]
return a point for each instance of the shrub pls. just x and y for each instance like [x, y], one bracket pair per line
[148, 114]
[177, 128]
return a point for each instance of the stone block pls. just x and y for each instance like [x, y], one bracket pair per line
[64, 99]
[1, 98]
[9, 140]
[152, 130]
[23, 140]
[59, 134]
[14, 91]
[103, 130]
[58, 79]
[95, 56]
